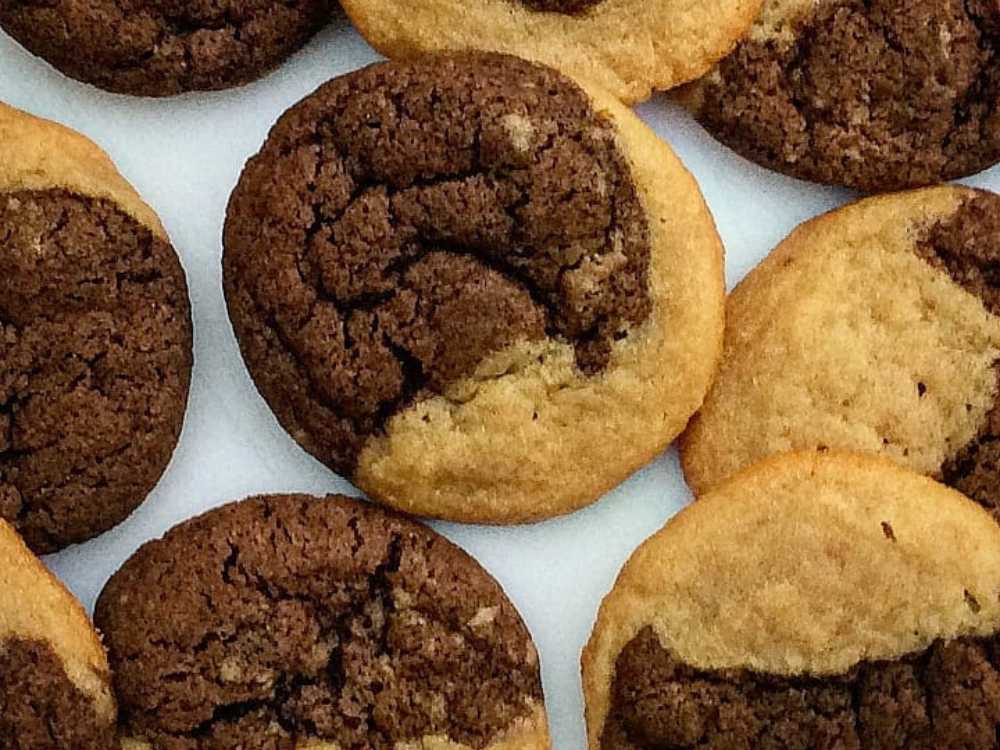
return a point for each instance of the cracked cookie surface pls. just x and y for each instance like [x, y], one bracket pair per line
[95, 360]
[873, 328]
[872, 94]
[284, 620]
[414, 232]
[159, 47]
[776, 649]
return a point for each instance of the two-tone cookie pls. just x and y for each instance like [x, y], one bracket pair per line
[871, 94]
[628, 47]
[478, 290]
[55, 686]
[293, 622]
[95, 337]
[154, 48]
[834, 601]
[874, 328]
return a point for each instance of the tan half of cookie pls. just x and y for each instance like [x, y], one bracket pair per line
[55, 685]
[833, 601]
[628, 47]
[303, 623]
[873, 328]
[522, 309]
[95, 337]
[871, 94]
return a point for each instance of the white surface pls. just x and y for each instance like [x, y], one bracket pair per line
[184, 155]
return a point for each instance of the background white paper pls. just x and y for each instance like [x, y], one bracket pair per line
[185, 154]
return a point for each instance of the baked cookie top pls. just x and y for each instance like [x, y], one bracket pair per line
[95, 338]
[813, 600]
[453, 279]
[873, 328]
[297, 622]
[627, 47]
[55, 686]
[872, 94]
[161, 48]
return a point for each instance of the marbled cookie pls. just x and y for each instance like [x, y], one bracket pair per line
[161, 48]
[872, 94]
[814, 601]
[874, 328]
[95, 337]
[476, 289]
[293, 622]
[55, 686]
[628, 47]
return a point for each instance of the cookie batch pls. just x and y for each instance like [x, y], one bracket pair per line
[470, 280]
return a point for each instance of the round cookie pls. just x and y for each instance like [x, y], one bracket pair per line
[95, 337]
[55, 685]
[297, 622]
[162, 48]
[628, 47]
[813, 601]
[874, 328]
[871, 94]
[455, 279]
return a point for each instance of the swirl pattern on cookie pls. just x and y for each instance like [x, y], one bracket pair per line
[831, 600]
[289, 622]
[438, 264]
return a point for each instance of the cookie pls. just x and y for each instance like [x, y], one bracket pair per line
[456, 279]
[875, 328]
[153, 48]
[627, 47]
[871, 94]
[55, 686]
[95, 337]
[286, 622]
[813, 601]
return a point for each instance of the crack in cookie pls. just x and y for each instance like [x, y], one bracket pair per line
[405, 222]
[303, 619]
[95, 359]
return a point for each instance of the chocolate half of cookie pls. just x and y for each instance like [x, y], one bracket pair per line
[40, 707]
[873, 328]
[872, 94]
[155, 48]
[283, 621]
[95, 360]
[843, 603]
[414, 230]
[55, 686]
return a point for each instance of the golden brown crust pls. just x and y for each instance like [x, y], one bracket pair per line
[38, 154]
[629, 47]
[548, 419]
[34, 605]
[844, 337]
[763, 573]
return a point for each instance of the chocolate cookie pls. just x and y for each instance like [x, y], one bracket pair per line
[161, 48]
[95, 338]
[875, 328]
[628, 47]
[872, 94]
[55, 686]
[813, 601]
[455, 279]
[288, 622]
